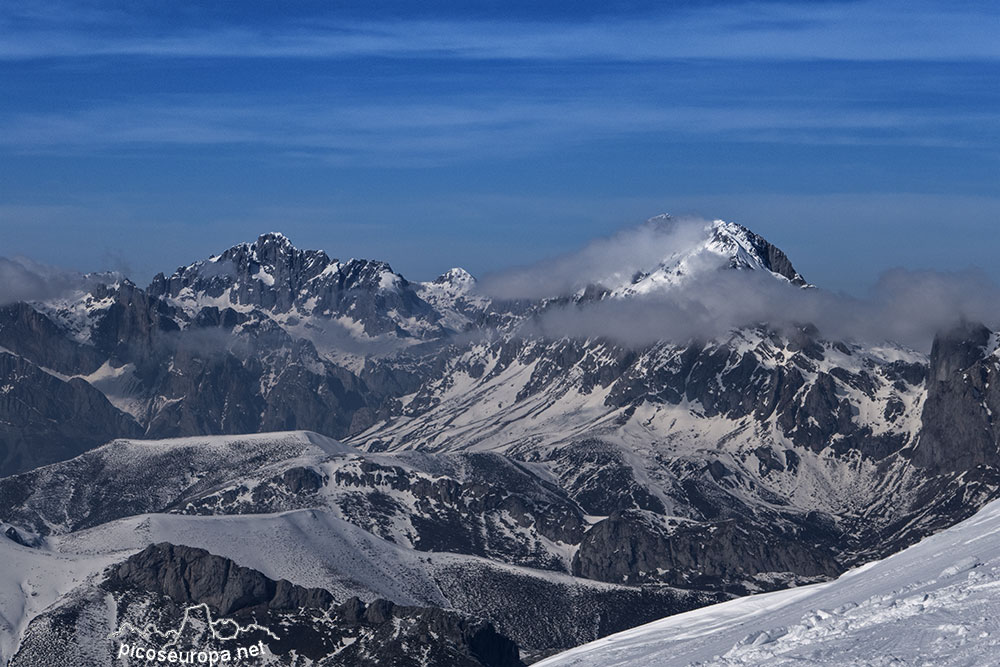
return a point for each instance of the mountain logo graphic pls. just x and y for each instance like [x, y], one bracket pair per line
[199, 639]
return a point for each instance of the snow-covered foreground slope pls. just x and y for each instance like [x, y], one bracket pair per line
[32, 580]
[936, 603]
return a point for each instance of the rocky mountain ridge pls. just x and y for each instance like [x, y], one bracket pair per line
[651, 477]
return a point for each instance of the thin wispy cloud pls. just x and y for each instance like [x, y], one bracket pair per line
[607, 261]
[766, 30]
[469, 128]
[468, 88]
[120, 115]
[904, 306]
[22, 279]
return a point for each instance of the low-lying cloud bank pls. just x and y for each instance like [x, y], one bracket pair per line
[22, 279]
[601, 262]
[907, 307]
[904, 306]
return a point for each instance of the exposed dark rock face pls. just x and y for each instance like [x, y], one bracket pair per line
[907, 373]
[31, 334]
[607, 483]
[135, 327]
[692, 470]
[14, 536]
[272, 275]
[383, 633]
[956, 350]
[194, 576]
[44, 419]
[633, 547]
[302, 480]
[774, 259]
[959, 431]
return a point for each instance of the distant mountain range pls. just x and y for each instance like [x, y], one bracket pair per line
[433, 447]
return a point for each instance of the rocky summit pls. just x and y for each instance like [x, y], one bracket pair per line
[397, 471]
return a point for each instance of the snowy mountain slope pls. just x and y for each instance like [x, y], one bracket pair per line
[494, 397]
[485, 505]
[310, 547]
[127, 477]
[723, 245]
[412, 528]
[197, 604]
[466, 503]
[32, 580]
[313, 548]
[749, 460]
[272, 277]
[672, 429]
[933, 603]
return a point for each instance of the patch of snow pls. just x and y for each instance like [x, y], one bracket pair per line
[263, 276]
[935, 603]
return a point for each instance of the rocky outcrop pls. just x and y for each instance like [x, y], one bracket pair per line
[959, 430]
[44, 419]
[465, 642]
[136, 327]
[307, 621]
[757, 459]
[272, 275]
[33, 335]
[14, 536]
[772, 257]
[194, 576]
[633, 547]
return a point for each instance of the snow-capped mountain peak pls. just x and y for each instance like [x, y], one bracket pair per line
[309, 295]
[453, 295]
[455, 276]
[747, 250]
[711, 246]
[270, 273]
[272, 248]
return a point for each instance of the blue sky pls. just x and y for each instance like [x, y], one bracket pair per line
[858, 136]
